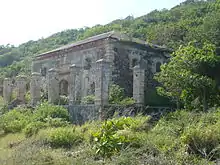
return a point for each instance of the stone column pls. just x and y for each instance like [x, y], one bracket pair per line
[138, 84]
[53, 86]
[35, 88]
[110, 56]
[7, 90]
[85, 83]
[102, 82]
[74, 71]
[102, 86]
[1, 86]
[21, 82]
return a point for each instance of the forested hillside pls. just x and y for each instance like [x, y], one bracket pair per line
[190, 20]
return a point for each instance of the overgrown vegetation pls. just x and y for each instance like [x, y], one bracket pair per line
[44, 135]
[116, 96]
[180, 137]
[191, 77]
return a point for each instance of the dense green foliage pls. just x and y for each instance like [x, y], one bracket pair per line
[90, 99]
[30, 121]
[45, 111]
[180, 137]
[63, 137]
[191, 76]
[116, 96]
[191, 20]
[112, 138]
[45, 136]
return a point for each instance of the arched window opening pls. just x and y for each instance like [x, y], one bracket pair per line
[158, 64]
[63, 87]
[88, 63]
[134, 62]
[92, 89]
[44, 71]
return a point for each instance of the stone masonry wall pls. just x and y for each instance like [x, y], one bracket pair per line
[123, 57]
[122, 73]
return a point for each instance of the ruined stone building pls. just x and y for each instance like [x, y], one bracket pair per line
[90, 66]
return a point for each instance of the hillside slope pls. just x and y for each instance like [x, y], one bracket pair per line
[191, 20]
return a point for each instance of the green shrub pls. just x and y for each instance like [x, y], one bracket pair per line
[33, 128]
[24, 110]
[2, 103]
[90, 99]
[14, 121]
[46, 110]
[127, 101]
[63, 100]
[106, 142]
[138, 123]
[116, 94]
[203, 141]
[56, 122]
[116, 134]
[28, 97]
[174, 123]
[88, 128]
[63, 137]
[4, 109]
[166, 133]
[210, 118]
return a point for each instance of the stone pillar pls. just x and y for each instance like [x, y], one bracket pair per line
[110, 56]
[21, 82]
[74, 71]
[85, 86]
[1, 86]
[102, 82]
[53, 86]
[35, 88]
[138, 84]
[7, 90]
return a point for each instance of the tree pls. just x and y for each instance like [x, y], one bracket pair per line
[188, 76]
[211, 27]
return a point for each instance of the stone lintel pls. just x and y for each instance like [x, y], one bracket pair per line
[35, 74]
[7, 79]
[74, 66]
[102, 61]
[52, 70]
[137, 67]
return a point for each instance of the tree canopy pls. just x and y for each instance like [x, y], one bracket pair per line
[189, 76]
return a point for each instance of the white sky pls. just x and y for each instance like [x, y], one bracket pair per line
[24, 20]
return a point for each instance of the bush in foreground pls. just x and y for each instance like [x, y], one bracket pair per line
[46, 110]
[203, 138]
[14, 121]
[63, 137]
[179, 137]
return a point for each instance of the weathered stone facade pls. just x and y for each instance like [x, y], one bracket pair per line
[35, 88]
[7, 90]
[90, 66]
[15, 89]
